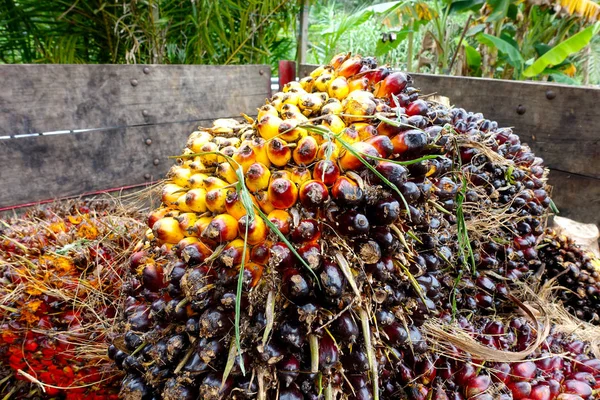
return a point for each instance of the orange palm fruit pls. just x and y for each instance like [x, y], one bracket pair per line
[283, 193]
[257, 229]
[349, 162]
[215, 200]
[222, 228]
[278, 152]
[245, 157]
[268, 126]
[299, 175]
[227, 172]
[281, 219]
[257, 177]
[167, 230]
[306, 151]
[262, 198]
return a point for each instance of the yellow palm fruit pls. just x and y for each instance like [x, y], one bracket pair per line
[360, 83]
[292, 98]
[328, 151]
[300, 175]
[196, 164]
[215, 200]
[290, 109]
[317, 72]
[167, 230]
[282, 220]
[267, 109]
[212, 182]
[224, 126]
[262, 198]
[200, 225]
[198, 141]
[322, 82]
[349, 135]
[292, 86]
[245, 157]
[181, 205]
[334, 123]
[259, 146]
[281, 173]
[279, 152]
[311, 103]
[222, 141]
[234, 205]
[306, 151]
[307, 83]
[257, 177]
[227, 172]
[197, 180]
[179, 175]
[228, 151]
[357, 105]
[171, 193]
[339, 59]
[222, 228]
[187, 221]
[289, 131]
[338, 88]
[257, 230]
[332, 106]
[196, 200]
[268, 126]
[209, 158]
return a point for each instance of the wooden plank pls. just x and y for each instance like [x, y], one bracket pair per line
[43, 98]
[45, 167]
[559, 122]
[577, 197]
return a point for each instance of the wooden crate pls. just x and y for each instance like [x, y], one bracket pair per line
[559, 122]
[68, 130]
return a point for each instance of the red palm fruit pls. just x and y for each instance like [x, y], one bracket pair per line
[195, 253]
[299, 175]
[385, 129]
[262, 198]
[347, 192]
[377, 75]
[396, 334]
[396, 174]
[577, 387]
[215, 200]
[306, 151]
[257, 229]
[501, 372]
[520, 390]
[245, 157]
[311, 253]
[426, 371]
[288, 370]
[350, 67]
[279, 152]
[156, 215]
[313, 194]
[349, 162]
[418, 107]
[281, 256]
[283, 193]
[328, 352]
[338, 59]
[281, 219]
[384, 212]
[477, 385]
[252, 273]
[308, 230]
[260, 253]
[257, 177]
[440, 394]
[524, 371]
[152, 277]
[412, 140]
[167, 230]
[568, 396]
[232, 253]
[382, 144]
[326, 171]
[393, 84]
[540, 392]
[222, 228]
[465, 374]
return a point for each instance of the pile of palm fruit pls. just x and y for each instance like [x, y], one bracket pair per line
[357, 240]
[61, 274]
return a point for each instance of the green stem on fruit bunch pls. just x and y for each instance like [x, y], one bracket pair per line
[553, 207]
[313, 342]
[9, 394]
[238, 300]
[270, 316]
[463, 234]
[364, 319]
[328, 392]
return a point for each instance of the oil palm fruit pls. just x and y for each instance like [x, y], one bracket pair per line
[358, 223]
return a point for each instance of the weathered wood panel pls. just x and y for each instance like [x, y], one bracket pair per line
[43, 98]
[45, 167]
[559, 123]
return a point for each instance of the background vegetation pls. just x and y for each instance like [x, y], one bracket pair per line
[511, 39]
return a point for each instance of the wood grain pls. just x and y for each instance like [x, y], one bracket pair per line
[44, 98]
[45, 167]
[577, 197]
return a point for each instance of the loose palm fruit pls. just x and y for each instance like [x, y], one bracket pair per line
[215, 200]
[257, 230]
[299, 175]
[281, 219]
[252, 273]
[338, 88]
[306, 151]
[268, 126]
[195, 199]
[187, 221]
[222, 228]
[200, 225]
[347, 192]
[227, 172]
[171, 193]
[349, 162]
[283, 193]
[307, 231]
[393, 84]
[289, 130]
[326, 171]
[382, 144]
[279, 153]
[395, 173]
[313, 194]
[332, 106]
[384, 212]
[259, 146]
[353, 223]
[282, 173]
[260, 254]
[257, 177]
[167, 230]
[418, 107]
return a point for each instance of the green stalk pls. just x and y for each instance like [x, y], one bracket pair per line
[364, 319]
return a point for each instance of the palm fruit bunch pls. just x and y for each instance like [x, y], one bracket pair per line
[575, 269]
[297, 255]
[61, 273]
